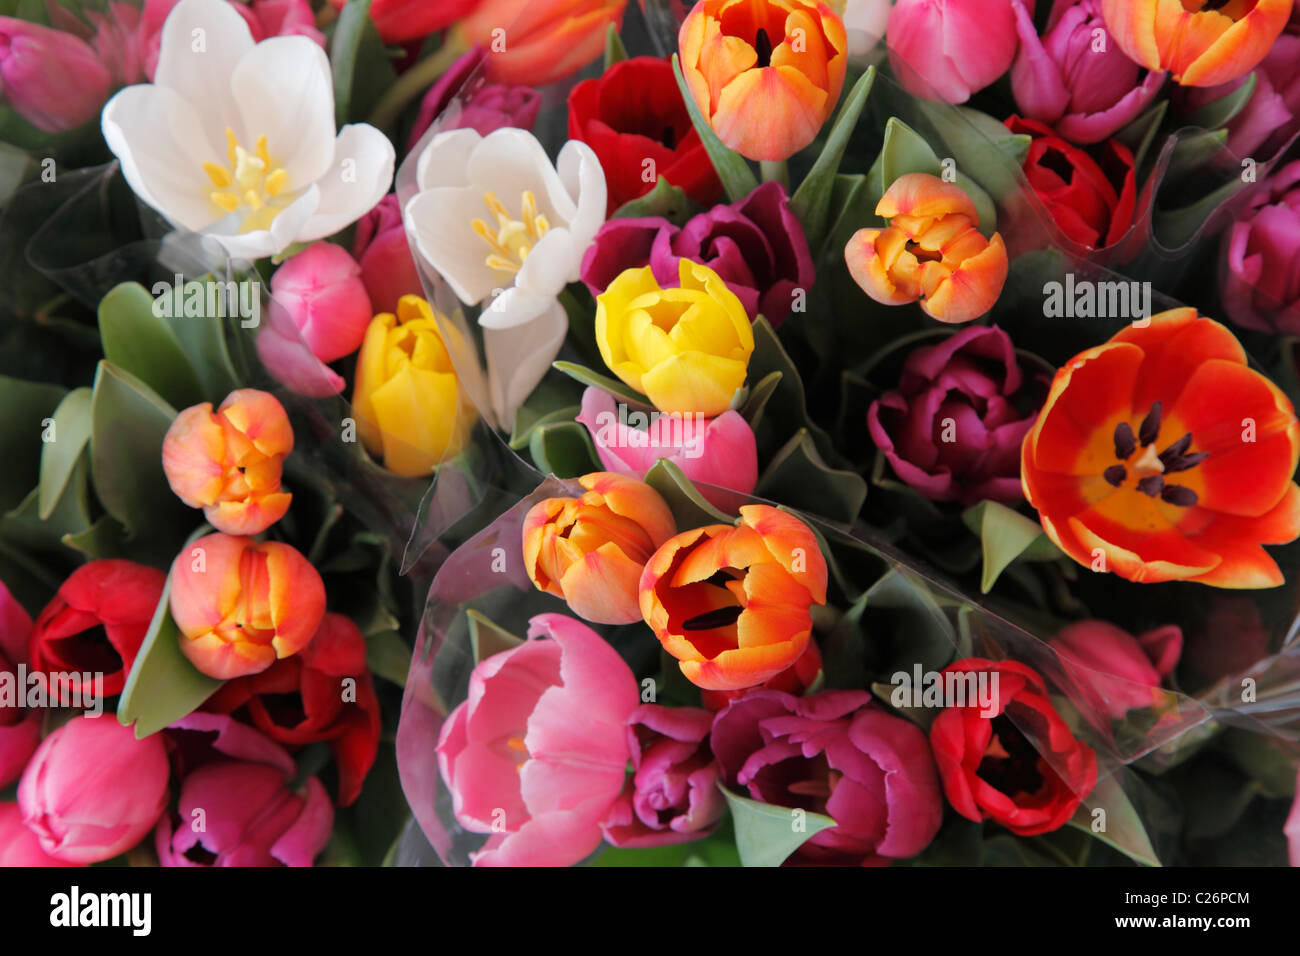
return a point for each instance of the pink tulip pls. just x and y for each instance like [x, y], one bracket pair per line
[719, 452]
[538, 752]
[19, 845]
[321, 291]
[92, 791]
[265, 18]
[118, 41]
[949, 49]
[1292, 827]
[20, 729]
[474, 103]
[52, 79]
[387, 266]
[1125, 671]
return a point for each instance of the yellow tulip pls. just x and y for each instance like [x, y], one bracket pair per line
[687, 349]
[409, 406]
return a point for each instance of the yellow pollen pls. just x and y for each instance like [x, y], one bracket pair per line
[512, 239]
[250, 182]
[516, 743]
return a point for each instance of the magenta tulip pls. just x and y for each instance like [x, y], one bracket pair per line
[321, 291]
[1292, 828]
[537, 755]
[387, 267]
[949, 49]
[52, 79]
[1259, 282]
[20, 729]
[462, 98]
[1124, 671]
[19, 846]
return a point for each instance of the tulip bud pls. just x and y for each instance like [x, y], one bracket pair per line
[19, 845]
[1126, 672]
[547, 39]
[591, 550]
[229, 463]
[387, 266]
[52, 79]
[321, 291]
[92, 790]
[240, 605]
[931, 251]
[950, 50]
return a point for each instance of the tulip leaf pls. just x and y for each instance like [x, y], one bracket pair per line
[790, 410]
[1118, 825]
[811, 202]
[487, 638]
[751, 409]
[690, 509]
[613, 386]
[969, 134]
[1175, 228]
[68, 435]
[563, 449]
[103, 539]
[28, 407]
[1141, 133]
[1219, 113]
[797, 476]
[1193, 149]
[344, 47]
[665, 200]
[525, 426]
[766, 835]
[144, 344]
[615, 52]
[202, 338]
[388, 656]
[26, 528]
[163, 685]
[738, 179]
[923, 717]
[1005, 535]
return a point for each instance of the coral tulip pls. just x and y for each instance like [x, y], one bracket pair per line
[536, 42]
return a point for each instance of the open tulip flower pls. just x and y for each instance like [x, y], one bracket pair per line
[931, 251]
[765, 73]
[1161, 456]
[237, 140]
[732, 602]
[1200, 42]
[591, 550]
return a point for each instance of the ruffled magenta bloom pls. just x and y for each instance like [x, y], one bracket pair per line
[387, 266]
[50, 78]
[19, 846]
[952, 428]
[756, 246]
[92, 791]
[20, 729]
[718, 451]
[673, 796]
[1124, 671]
[537, 754]
[839, 754]
[1259, 280]
[1076, 79]
[479, 105]
[949, 49]
[236, 807]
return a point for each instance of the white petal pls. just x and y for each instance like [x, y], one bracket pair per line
[445, 161]
[549, 264]
[519, 356]
[284, 92]
[202, 40]
[439, 221]
[510, 162]
[286, 229]
[583, 177]
[359, 177]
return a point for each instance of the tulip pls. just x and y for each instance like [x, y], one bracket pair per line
[20, 729]
[410, 409]
[1125, 671]
[118, 40]
[538, 753]
[952, 428]
[1161, 455]
[1258, 282]
[241, 605]
[92, 790]
[687, 348]
[538, 42]
[320, 290]
[992, 771]
[402, 21]
[1073, 79]
[865, 22]
[308, 698]
[797, 680]
[229, 462]
[19, 846]
[839, 754]
[673, 796]
[732, 603]
[766, 74]
[720, 452]
[52, 79]
[1291, 829]
[1201, 44]
[387, 266]
[1229, 639]
[591, 550]
[97, 621]
[948, 51]
[265, 18]
[931, 251]
[463, 99]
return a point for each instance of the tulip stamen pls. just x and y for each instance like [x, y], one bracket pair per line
[763, 47]
[249, 181]
[1115, 475]
[1151, 467]
[512, 239]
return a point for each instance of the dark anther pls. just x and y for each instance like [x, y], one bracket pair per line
[1178, 448]
[1175, 457]
[1151, 485]
[1125, 443]
[1115, 474]
[1178, 495]
[721, 617]
[763, 47]
[1150, 426]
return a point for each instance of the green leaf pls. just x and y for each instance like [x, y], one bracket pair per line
[203, 340]
[797, 476]
[524, 427]
[26, 406]
[1193, 149]
[968, 134]
[103, 539]
[25, 527]
[906, 151]
[563, 449]
[346, 42]
[689, 507]
[70, 432]
[1123, 828]
[144, 344]
[1217, 115]
[811, 201]
[615, 52]
[388, 656]
[1006, 534]
[766, 835]
[738, 180]
[664, 200]
[487, 638]
[616, 388]
[1141, 133]
[752, 408]
[1176, 228]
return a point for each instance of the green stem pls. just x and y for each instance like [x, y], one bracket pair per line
[775, 171]
[414, 82]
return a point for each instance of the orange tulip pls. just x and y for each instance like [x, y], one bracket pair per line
[1160, 455]
[1201, 42]
[591, 550]
[229, 463]
[765, 73]
[732, 602]
[241, 605]
[536, 42]
[931, 250]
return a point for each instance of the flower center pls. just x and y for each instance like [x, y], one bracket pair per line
[512, 239]
[1151, 468]
[249, 182]
[1010, 762]
[763, 47]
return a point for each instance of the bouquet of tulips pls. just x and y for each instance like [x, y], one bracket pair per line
[553, 432]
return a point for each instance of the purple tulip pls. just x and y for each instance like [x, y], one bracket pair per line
[1125, 671]
[52, 79]
[952, 428]
[481, 106]
[756, 246]
[839, 754]
[1076, 78]
[673, 796]
[1260, 284]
